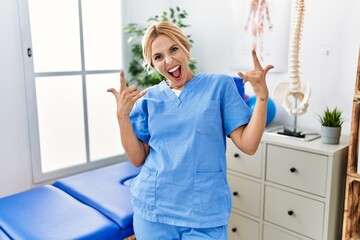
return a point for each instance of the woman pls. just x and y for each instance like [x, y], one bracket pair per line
[176, 131]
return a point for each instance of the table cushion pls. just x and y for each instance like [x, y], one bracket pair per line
[105, 189]
[49, 213]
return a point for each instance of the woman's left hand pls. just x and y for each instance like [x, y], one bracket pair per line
[257, 77]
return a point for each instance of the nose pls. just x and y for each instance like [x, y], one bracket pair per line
[168, 59]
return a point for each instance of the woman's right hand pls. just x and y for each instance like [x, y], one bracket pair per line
[125, 97]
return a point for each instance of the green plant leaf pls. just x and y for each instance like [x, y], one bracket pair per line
[331, 118]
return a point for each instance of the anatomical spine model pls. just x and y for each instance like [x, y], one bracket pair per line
[294, 88]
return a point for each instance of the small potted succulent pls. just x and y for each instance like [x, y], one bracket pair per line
[331, 121]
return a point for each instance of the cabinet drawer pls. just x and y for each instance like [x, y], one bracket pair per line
[246, 195]
[242, 228]
[241, 162]
[302, 215]
[274, 234]
[297, 169]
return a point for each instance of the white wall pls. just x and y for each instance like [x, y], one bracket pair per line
[14, 139]
[330, 25]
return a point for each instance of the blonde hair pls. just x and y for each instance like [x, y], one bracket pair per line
[162, 28]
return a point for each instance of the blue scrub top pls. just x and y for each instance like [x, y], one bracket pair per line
[183, 180]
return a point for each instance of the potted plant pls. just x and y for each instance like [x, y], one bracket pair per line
[331, 122]
[135, 32]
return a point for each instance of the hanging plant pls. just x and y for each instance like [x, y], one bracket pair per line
[135, 32]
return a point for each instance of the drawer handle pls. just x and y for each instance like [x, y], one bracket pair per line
[234, 229]
[236, 155]
[290, 212]
[235, 193]
[292, 169]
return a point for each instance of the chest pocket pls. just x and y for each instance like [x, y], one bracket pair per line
[208, 117]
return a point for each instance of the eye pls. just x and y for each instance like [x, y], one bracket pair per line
[174, 49]
[157, 57]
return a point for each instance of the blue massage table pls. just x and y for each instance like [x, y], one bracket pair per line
[90, 205]
[111, 184]
[3, 235]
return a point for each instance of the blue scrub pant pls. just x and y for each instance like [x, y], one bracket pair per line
[145, 230]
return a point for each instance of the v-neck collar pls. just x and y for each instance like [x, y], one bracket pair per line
[187, 87]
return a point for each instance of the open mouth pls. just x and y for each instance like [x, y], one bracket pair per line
[175, 72]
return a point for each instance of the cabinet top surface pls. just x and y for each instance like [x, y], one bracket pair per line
[314, 145]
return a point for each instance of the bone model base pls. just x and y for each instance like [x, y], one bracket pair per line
[285, 132]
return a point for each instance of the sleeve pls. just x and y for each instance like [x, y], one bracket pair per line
[235, 112]
[139, 120]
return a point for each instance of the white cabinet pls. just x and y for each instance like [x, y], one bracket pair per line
[272, 233]
[301, 170]
[243, 163]
[288, 190]
[243, 228]
[246, 195]
[294, 212]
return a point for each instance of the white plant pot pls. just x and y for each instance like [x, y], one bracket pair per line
[330, 135]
